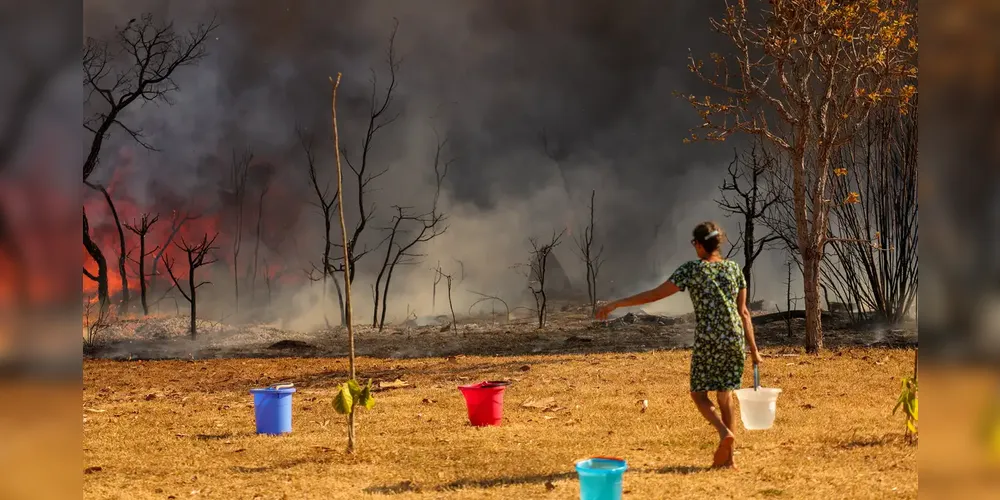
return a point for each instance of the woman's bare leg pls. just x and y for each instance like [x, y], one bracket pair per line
[707, 409]
[724, 453]
[725, 399]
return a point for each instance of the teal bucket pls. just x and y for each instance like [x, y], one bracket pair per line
[601, 478]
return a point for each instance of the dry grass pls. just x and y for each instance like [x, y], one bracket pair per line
[185, 428]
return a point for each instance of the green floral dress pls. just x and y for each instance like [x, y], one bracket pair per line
[718, 357]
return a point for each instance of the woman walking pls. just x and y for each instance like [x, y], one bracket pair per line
[718, 291]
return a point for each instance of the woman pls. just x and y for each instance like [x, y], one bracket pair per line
[719, 293]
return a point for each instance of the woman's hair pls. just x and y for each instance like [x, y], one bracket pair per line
[710, 235]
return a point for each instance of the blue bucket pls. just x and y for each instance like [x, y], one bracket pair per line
[272, 409]
[601, 478]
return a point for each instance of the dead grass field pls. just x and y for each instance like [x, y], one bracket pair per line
[184, 429]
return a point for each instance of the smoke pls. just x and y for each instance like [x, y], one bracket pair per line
[598, 78]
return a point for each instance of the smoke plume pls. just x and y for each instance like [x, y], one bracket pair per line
[596, 79]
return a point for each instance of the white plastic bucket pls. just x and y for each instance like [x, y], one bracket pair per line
[758, 407]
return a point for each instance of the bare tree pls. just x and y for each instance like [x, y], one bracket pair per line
[400, 250]
[198, 255]
[379, 105]
[141, 229]
[591, 257]
[237, 191]
[873, 261]
[880, 276]
[326, 203]
[805, 75]
[448, 282]
[138, 66]
[347, 264]
[536, 271]
[744, 193]
[434, 289]
[264, 188]
[96, 253]
[428, 226]
[177, 221]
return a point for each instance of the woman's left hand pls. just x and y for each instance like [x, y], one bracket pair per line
[605, 310]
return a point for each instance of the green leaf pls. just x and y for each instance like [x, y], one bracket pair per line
[367, 399]
[343, 402]
[899, 402]
[912, 428]
[355, 388]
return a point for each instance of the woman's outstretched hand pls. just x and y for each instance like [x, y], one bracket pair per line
[605, 310]
[755, 357]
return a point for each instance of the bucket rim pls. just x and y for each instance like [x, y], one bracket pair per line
[748, 390]
[622, 463]
[485, 385]
[272, 390]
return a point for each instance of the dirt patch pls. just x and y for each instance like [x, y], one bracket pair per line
[195, 436]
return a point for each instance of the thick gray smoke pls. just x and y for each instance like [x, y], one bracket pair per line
[598, 77]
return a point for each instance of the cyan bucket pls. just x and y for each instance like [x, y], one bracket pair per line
[601, 478]
[272, 409]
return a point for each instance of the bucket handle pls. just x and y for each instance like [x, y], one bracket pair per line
[282, 385]
[756, 377]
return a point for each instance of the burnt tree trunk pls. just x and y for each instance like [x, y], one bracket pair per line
[340, 301]
[193, 299]
[121, 249]
[142, 275]
[748, 252]
[102, 264]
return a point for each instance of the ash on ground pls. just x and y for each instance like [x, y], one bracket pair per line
[569, 329]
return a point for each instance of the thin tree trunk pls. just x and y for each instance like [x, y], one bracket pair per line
[454, 321]
[142, 275]
[194, 303]
[788, 302]
[350, 429]
[121, 249]
[385, 290]
[340, 301]
[347, 260]
[810, 281]
[256, 246]
[748, 249]
[102, 264]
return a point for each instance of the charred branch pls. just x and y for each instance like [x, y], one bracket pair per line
[540, 253]
[379, 117]
[141, 229]
[138, 65]
[592, 257]
[198, 255]
[744, 194]
[238, 172]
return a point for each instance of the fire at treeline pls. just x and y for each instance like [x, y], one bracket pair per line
[236, 252]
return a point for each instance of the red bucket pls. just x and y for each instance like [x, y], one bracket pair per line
[485, 402]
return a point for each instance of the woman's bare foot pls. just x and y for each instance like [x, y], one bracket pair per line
[731, 463]
[724, 453]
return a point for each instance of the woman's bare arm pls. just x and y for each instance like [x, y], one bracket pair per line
[659, 293]
[741, 302]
